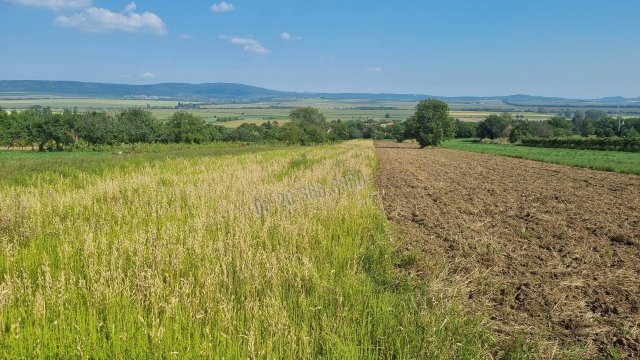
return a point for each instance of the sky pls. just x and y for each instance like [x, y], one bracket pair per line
[569, 48]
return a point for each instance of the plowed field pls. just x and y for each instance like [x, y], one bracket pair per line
[547, 252]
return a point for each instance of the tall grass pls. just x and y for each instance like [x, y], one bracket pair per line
[169, 259]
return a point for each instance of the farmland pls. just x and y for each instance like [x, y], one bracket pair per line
[339, 251]
[213, 251]
[616, 161]
[549, 253]
[235, 114]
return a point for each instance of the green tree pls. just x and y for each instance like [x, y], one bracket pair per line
[431, 123]
[581, 125]
[244, 133]
[51, 130]
[307, 115]
[605, 127]
[183, 127]
[519, 131]
[217, 132]
[5, 126]
[291, 134]
[494, 126]
[560, 126]
[466, 129]
[137, 125]
[338, 131]
[98, 128]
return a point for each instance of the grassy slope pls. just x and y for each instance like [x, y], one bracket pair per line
[160, 254]
[617, 161]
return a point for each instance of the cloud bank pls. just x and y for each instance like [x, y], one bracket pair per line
[222, 7]
[249, 44]
[54, 4]
[95, 19]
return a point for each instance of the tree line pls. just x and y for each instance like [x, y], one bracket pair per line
[431, 124]
[46, 130]
[592, 123]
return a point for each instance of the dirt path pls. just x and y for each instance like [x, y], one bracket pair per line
[547, 251]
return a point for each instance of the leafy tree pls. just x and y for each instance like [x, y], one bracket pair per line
[338, 131]
[307, 115]
[539, 129]
[312, 124]
[605, 127]
[49, 130]
[291, 134]
[314, 133]
[560, 126]
[139, 125]
[184, 127]
[98, 128]
[396, 131]
[466, 129]
[494, 126]
[519, 131]
[581, 125]
[5, 125]
[269, 131]
[217, 132]
[244, 133]
[431, 123]
[20, 131]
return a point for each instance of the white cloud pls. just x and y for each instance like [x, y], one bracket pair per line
[288, 37]
[148, 75]
[96, 19]
[130, 8]
[374, 69]
[186, 36]
[54, 4]
[222, 7]
[249, 44]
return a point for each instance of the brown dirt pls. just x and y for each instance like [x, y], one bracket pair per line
[546, 251]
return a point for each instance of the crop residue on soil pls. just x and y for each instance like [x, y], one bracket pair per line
[546, 251]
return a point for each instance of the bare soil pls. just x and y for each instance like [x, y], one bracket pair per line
[547, 252]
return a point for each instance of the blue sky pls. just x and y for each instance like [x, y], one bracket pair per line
[572, 48]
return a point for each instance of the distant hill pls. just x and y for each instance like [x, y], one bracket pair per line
[167, 90]
[230, 91]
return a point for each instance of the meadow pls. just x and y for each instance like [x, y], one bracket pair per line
[214, 251]
[616, 161]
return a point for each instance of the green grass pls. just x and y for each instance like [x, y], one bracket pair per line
[616, 161]
[159, 254]
[21, 167]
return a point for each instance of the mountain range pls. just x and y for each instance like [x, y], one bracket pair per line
[233, 92]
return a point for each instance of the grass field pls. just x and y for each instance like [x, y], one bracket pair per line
[617, 161]
[212, 252]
